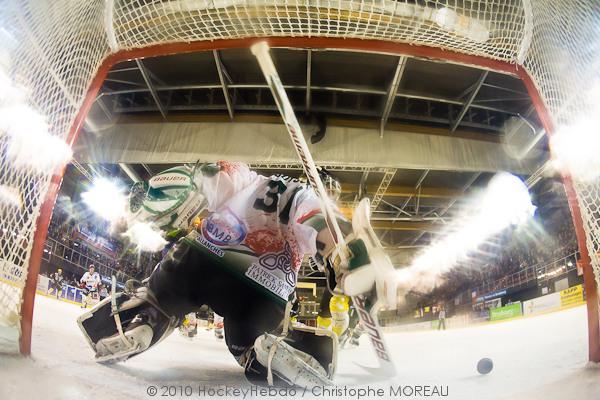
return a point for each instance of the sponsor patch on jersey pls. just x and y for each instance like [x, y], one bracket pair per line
[224, 228]
[269, 281]
[208, 245]
[281, 262]
[274, 272]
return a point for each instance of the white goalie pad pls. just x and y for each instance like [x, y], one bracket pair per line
[293, 366]
[380, 271]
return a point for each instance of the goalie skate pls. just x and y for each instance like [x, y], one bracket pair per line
[292, 365]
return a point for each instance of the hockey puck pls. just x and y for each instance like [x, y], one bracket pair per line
[485, 366]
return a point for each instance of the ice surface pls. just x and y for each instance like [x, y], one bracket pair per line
[542, 357]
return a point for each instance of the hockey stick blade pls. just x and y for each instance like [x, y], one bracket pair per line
[386, 368]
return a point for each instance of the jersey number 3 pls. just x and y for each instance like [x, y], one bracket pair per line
[269, 202]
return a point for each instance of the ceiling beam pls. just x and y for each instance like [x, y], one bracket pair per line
[384, 185]
[405, 226]
[151, 88]
[221, 72]
[469, 101]
[391, 94]
[82, 169]
[344, 89]
[443, 212]
[408, 191]
[169, 142]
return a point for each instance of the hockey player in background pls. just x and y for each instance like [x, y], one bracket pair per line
[90, 282]
[218, 326]
[189, 325]
[242, 261]
[56, 282]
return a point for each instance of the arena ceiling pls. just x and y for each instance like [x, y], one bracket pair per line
[414, 135]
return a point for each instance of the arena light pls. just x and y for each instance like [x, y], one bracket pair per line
[106, 199]
[505, 202]
[462, 25]
[30, 143]
[575, 149]
[145, 236]
[9, 92]
[576, 143]
[10, 196]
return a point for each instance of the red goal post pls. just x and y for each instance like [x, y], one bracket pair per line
[113, 31]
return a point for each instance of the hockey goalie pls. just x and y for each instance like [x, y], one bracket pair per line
[241, 260]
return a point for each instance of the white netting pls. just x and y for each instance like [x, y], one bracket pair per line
[564, 62]
[52, 51]
[55, 47]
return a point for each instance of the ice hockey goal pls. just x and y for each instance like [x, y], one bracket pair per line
[59, 52]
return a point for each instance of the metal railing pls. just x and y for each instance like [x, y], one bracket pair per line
[538, 272]
[75, 257]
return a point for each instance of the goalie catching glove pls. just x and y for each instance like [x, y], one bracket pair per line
[368, 268]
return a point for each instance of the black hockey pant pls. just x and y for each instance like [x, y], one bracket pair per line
[186, 279]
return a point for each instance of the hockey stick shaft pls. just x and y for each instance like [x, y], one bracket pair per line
[261, 52]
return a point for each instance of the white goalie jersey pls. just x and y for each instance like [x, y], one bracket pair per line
[262, 214]
[260, 227]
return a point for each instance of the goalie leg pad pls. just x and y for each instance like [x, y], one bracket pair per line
[304, 358]
[115, 348]
[142, 321]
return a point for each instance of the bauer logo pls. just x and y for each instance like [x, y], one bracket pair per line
[224, 228]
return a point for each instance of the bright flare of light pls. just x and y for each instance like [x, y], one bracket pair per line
[10, 196]
[576, 149]
[145, 236]
[505, 202]
[30, 143]
[576, 143]
[106, 199]
[9, 92]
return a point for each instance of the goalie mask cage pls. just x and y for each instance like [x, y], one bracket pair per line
[60, 51]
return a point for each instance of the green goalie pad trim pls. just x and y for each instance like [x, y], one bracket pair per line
[360, 255]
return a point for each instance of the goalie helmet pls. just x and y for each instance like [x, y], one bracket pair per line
[171, 199]
[331, 184]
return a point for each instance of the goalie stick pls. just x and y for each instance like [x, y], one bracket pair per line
[368, 319]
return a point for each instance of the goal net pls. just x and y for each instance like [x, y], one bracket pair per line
[55, 54]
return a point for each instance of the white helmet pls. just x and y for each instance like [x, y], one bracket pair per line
[171, 199]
